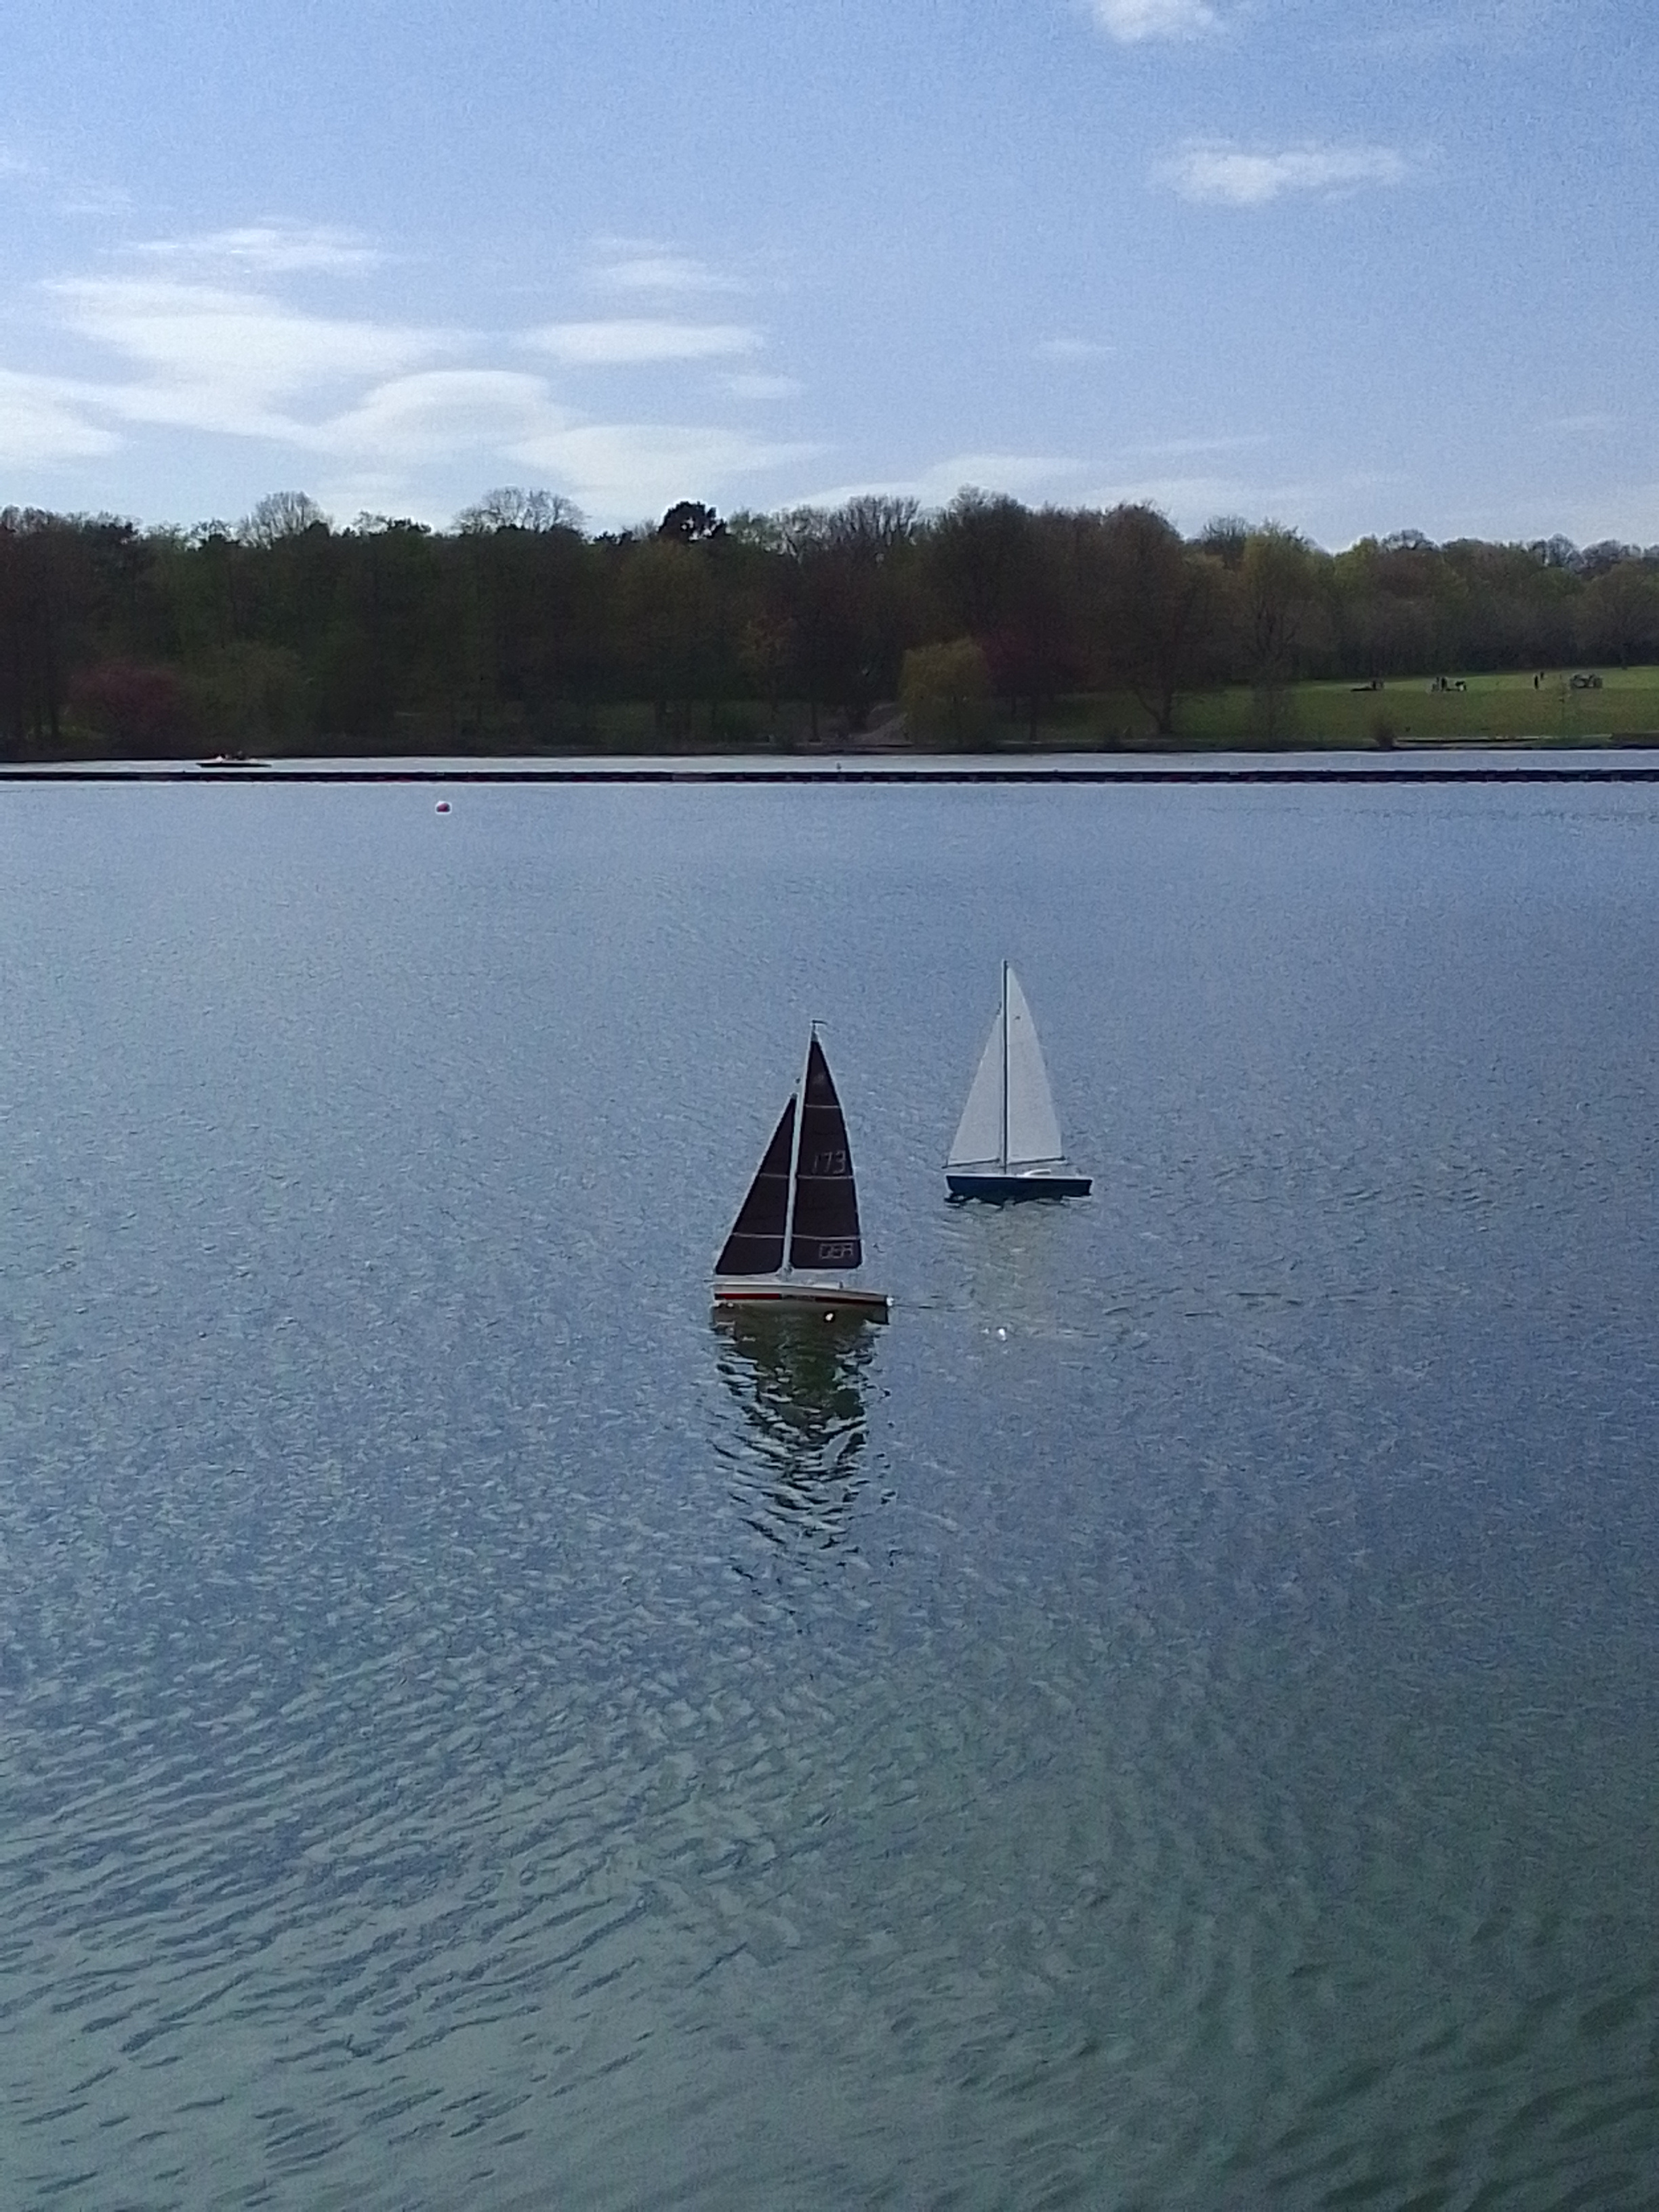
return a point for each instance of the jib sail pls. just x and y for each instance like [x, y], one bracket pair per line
[756, 1244]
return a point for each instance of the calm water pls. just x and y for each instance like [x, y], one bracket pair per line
[1172, 1721]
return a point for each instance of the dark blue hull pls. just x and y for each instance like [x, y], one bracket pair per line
[999, 1189]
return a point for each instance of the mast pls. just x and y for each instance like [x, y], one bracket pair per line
[794, 1152]
[1002, 1156]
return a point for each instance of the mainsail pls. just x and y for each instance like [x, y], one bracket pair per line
[1033, 1131]
[825, 1227]
[756, 1244]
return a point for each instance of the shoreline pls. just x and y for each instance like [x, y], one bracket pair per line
[1449, 764]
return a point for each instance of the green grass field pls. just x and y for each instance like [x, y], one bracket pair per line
[1491, 709]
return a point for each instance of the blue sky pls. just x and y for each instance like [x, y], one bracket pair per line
[1358, 265]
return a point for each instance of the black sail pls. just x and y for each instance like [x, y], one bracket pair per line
[756, 1244]
[826, 1231]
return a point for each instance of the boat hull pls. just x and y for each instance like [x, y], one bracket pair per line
[799, 1294]
[1000, 1185]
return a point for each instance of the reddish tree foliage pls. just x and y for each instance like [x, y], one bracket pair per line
[143, 712]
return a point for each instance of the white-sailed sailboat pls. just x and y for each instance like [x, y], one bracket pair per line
[1007, 1142]
[797, 1236]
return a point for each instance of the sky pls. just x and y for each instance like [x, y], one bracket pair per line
[1355, 266]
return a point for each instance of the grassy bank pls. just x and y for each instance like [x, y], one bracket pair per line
[1404, 712]
[1409, 710]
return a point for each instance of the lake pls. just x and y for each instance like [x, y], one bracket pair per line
[1171, 1720]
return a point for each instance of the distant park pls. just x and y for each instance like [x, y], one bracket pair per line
[875, 625]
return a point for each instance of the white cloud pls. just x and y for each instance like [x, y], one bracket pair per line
[220, 360]
[651, 269]
[441, 412]
[268, 249]
[1218, 173]
[631, 343]
[202, 338]
[1131, 22]
[1072, 350]
[1019, 475]
[41, 423]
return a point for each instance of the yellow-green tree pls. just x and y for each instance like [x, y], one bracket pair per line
[945, 691]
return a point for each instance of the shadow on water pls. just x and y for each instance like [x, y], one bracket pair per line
[796, 1455]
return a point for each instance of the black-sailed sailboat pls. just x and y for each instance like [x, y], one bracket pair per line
[796, 1237]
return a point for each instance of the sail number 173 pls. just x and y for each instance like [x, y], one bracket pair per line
[830, 1164]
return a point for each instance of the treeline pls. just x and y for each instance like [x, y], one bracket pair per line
[516, 629]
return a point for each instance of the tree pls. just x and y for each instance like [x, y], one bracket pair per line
[1035, 652]
[981, 548]
[143, 713]
[1274, 597]
[874, 528]
[1157, 603]
[1397, 605]
[517, 573]
[997, 575]
[1557, 552]
[511, 508]
[667, 606]
[279, 515]
[766, 650]
[1513, 609]
[945, 691]
[499, 628]
[1224, 537]
[689, 521]
[384, 656]
[1618, 615]
[843, 585]
[249, 695]
[1608, 553]
[47, 594]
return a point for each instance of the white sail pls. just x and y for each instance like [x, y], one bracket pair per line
[1033, 1131]
[979, 1133]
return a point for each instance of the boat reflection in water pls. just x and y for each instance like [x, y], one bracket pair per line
[797, 1456]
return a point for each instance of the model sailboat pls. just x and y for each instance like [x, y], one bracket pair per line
[797, 1236]
[1007, 1142]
